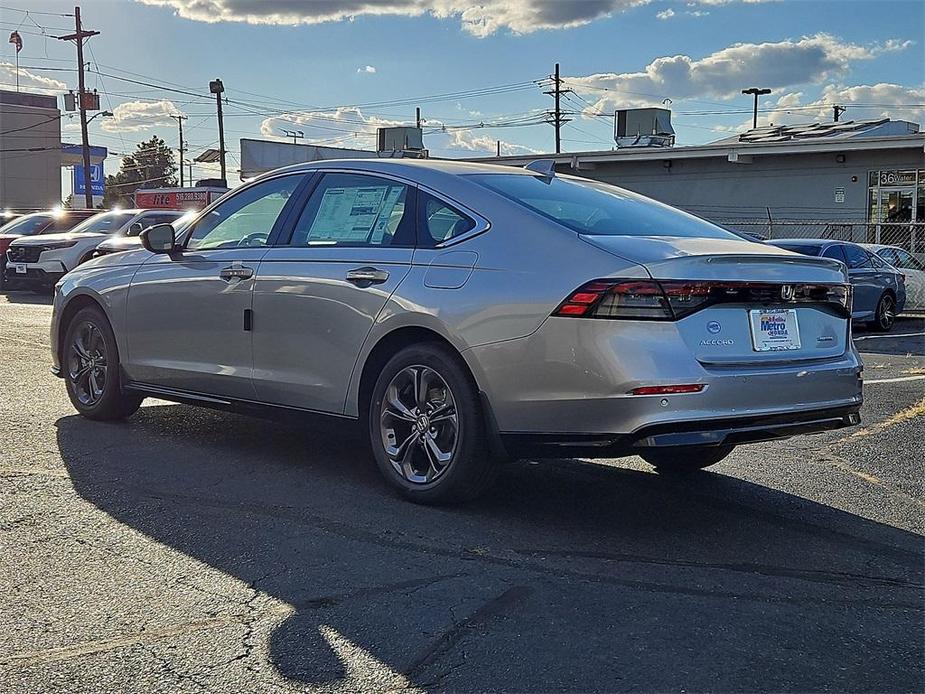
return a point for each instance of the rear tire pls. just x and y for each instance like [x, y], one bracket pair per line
[885, 316]
[426, 427]
[90, 363]
[685, 458]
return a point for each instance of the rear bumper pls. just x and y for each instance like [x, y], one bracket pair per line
[715, 432]
[576, 378]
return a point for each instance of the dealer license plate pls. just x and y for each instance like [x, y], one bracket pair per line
[19, 268]
[775, 330]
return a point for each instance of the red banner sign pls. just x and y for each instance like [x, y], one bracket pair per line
[176, 199]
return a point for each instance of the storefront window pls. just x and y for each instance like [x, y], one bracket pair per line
[896, 207]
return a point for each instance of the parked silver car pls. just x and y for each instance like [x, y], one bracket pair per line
[912, 269]
[464, 313]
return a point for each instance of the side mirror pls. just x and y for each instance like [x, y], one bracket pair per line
[159, 238]
[135, 229]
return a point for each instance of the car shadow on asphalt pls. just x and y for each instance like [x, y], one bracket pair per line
[15, 296]
[563, 569]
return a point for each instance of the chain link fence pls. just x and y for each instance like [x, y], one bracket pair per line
[907, 235]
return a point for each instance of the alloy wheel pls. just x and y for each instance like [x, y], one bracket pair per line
[87, 364]
[418, 424]
[887, 313]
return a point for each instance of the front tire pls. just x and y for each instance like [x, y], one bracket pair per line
[885, 316]
[685, 458]
[90, 361]
[426, 427]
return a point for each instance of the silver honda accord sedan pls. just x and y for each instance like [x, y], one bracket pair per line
[463, 314]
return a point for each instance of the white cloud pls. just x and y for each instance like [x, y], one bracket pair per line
[665, 14]
[724, 73]
[478, 17]
[135, 116]
[29, 81]
[367, 70]
[863, 102]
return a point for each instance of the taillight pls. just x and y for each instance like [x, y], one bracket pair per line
[674, 299]
[637, 299]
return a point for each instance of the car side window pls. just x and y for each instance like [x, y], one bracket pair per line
[441, 221]
[857, 257]
[835, 251]
[150, 220]
[889, 255]
[879, 262]
[356, 210]
[907, 261]
[246, 218]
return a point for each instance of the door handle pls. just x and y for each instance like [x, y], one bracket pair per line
[367, 275]
[236, 272]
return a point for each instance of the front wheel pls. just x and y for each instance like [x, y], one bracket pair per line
[685, 458]
[91, 368]
[426, 427]
[885, 316]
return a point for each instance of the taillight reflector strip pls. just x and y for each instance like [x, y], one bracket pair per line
[669, 390]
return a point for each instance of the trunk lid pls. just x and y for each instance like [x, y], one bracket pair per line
[764, 297]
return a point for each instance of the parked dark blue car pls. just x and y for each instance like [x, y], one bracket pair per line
[879, 288]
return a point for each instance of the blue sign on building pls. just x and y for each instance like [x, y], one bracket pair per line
[96, 180]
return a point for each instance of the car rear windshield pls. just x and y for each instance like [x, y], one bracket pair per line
[804, 248]
[28, 225]
[589, 207]
[103, 223]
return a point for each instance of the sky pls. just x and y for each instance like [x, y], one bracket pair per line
[478, 69]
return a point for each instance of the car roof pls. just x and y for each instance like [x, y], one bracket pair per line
[432, 172]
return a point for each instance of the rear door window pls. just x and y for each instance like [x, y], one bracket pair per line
[908, 262]
[356, 210]
[857, 257]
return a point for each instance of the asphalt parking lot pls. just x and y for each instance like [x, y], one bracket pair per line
[189, 550]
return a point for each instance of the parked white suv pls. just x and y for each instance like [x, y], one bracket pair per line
[40, 261]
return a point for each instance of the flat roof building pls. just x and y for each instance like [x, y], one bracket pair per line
[855, 180]
[30, 156]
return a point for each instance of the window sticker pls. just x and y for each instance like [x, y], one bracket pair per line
[347, 214]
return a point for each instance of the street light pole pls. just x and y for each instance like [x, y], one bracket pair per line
[216, 87]
[757, 92]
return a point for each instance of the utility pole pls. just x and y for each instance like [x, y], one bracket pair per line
[216, 87]
[190, 165]
[757, 92]
[417, 118]
[79, 35]
[837, 111]
[555, 118]
[499, 148]
[180, 118]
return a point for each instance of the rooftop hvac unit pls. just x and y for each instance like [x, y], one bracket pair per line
[643, 127]
[400, 139]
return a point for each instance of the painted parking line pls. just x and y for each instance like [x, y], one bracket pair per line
[880, 337]
[894, 380]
